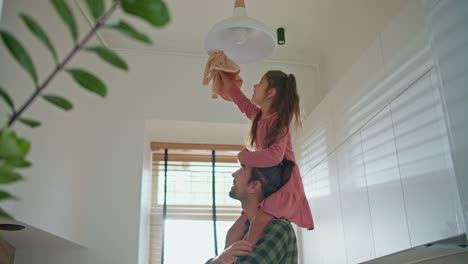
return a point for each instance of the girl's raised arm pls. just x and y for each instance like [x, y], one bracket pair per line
[266, 157]
[242, 102]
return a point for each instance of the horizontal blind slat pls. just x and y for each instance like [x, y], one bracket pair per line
[189, 189]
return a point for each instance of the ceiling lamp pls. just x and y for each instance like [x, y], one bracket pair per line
[243, 39]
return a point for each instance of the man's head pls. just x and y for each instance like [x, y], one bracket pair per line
[258, 183]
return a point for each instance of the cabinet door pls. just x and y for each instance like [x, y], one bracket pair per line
[425, 173]
[317, 137]
[448, 21]
[324, 244]
[355, 202]
[384, 186]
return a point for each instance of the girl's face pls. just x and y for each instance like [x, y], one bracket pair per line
[261, 94]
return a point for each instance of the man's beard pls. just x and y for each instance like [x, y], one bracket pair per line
[232, 194]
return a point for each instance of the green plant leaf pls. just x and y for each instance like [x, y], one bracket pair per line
[109, 56]
[17, 163]
[30, 122]
[58, 101]
[4, 214]
[36, 29]
[8, 175]
[154, 12]
[9, 147]
[96, 7]
[129, 31]
[24, 146]
[88, 81]
[7, 99]
[65, 13]
[5, 196]
[19, 53]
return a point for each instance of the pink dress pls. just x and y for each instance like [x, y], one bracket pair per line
[290, 201]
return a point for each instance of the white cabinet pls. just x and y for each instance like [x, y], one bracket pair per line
[425, 175]
[325, 244]
[387, 188]
[448, 21]
[384, 186]
[355, 202]
[317, 140]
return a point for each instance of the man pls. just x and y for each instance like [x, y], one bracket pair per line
[278, 243]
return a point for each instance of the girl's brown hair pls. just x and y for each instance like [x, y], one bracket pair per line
[272, 178]
[286, 103]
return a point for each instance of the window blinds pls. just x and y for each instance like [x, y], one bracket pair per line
[190, 170]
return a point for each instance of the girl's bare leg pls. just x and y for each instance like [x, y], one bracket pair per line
[237, 230]
[262, 219]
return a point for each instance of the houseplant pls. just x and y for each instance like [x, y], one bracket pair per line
[13, 148]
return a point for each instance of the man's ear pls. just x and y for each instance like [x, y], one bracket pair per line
[255, 186]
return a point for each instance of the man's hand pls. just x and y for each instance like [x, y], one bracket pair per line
[230, 254]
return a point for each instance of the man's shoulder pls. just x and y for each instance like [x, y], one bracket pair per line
[283, 223]
[277, 245]
[280, 226]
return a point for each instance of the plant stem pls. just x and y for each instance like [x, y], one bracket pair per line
[99, 23]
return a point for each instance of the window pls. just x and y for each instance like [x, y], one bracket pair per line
[189, 227]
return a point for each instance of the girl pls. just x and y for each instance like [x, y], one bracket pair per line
[274, 103]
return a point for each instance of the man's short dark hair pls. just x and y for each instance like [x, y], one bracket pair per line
[272, 178]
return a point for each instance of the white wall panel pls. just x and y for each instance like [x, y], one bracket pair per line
[353, 101]
[317, 138]
[428, 194]
[407, 163]
[384, 186]
[325, 244]
[406, 52]
[447, 153]
[355, 202]
[448, 23]
[404, 36]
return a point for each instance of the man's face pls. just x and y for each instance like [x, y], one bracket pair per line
[240, 184]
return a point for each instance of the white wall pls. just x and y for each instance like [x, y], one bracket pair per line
[353, 35]
[86, 183]
[448, 21]
[375, 155]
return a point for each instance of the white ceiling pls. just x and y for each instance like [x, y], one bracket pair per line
[314, 28]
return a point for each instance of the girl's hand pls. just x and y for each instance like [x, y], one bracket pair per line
[229, 80]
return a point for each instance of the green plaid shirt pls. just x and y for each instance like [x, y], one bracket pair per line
[277, 245]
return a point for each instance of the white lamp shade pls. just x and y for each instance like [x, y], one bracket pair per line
[243, 39]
